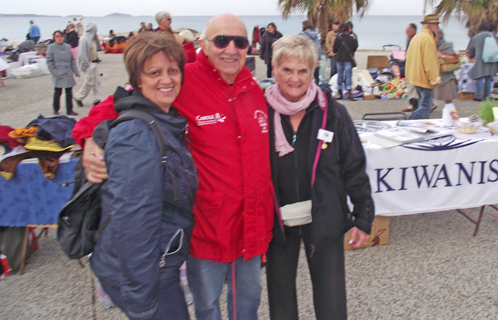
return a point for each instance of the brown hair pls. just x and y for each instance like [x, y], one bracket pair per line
[55, 32]
[147, 45]
[307, 24]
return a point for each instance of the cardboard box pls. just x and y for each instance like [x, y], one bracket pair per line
[467, 95]
[378, 237]
[368, 96]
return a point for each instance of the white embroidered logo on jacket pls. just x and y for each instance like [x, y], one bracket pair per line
[262, 118]
[210, 119]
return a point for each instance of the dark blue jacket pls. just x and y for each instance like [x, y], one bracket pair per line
[147, 240]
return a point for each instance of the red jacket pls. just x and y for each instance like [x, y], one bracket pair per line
[230, 145]
[189, 52]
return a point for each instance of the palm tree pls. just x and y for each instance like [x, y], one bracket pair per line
[322, 12]
[472, 12]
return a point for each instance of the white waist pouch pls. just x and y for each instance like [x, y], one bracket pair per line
[296, 214]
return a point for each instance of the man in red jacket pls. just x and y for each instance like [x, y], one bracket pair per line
[228, 125]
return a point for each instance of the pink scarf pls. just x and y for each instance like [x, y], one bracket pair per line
[281, 105]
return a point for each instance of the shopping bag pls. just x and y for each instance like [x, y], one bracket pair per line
[490, 49]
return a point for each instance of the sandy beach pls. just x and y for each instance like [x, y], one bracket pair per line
[432, 268]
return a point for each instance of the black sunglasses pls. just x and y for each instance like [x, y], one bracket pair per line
[222, 41]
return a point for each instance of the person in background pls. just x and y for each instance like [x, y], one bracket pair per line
[315, 38]
[111, 34]
[422, 65]
[228, 126]
[138, 255]
[269, 37]
[72, 39]
[483, 72]
[447, 90]
[149, 27]
[344, 49]
[186, 39]
[34, 32]
[88, 63]
[329, 44]
[163, 18]
[411, 31]
[351, 33]
[143, 27]
[62, 66]
[301, 117]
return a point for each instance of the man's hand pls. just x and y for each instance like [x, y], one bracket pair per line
[93, 162]
[358, 238]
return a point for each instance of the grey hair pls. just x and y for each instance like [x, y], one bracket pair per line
[295, 46]
[186, 35]
[161, 15]
[440, 34]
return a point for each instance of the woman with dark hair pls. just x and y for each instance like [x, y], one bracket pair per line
[138, 255]
[62, 66]
[269, 37]
[314, 38]
[344, 49]
[483, 72]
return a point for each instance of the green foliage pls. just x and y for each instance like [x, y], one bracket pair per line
[486, 111]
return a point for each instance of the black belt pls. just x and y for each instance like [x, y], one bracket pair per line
[96, 61]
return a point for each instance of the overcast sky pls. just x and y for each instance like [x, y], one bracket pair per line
[186, 7]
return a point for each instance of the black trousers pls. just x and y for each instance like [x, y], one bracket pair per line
[327, 276]
[268, 70]
[69, 99]
[316, 75]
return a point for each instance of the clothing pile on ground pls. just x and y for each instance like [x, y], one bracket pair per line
[44, 138]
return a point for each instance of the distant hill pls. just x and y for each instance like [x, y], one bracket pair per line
[117, 14]
[24, 15]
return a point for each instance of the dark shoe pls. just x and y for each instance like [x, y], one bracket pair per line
[349, 95]
[433, 108]
[414, 103]
[72, 113]
[338, 96]
[476, 99]
[79, 103]
[96, 102]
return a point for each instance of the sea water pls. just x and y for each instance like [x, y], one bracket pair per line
[373, 31]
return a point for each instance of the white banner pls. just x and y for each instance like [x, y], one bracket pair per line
[437, 175]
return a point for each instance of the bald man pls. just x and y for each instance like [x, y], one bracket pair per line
[228, 126]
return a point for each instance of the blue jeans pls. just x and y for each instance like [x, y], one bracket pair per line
[206, 279]
[341, 68]
[487, 81]
[424, 104]
[333, 67]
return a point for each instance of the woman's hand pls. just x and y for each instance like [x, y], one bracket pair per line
[358, 238]
[440, 54]
[93, 162]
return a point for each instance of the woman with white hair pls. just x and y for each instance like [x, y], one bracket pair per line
[317, 162]
[447, 90]
[186, 39]
[163, 19]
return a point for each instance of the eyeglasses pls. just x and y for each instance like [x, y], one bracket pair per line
[222, 41]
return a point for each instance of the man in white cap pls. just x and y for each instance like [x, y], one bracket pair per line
[422, 65]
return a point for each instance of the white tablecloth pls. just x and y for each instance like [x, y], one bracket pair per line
[459, 171]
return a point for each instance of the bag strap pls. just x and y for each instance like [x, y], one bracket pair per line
[162, 142]
[319, 149]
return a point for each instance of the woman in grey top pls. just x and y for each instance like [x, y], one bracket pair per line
[447, 90]
[60, 62]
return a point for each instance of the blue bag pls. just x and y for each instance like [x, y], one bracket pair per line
[490, 49]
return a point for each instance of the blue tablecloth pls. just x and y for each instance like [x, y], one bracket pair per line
[30, 198]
